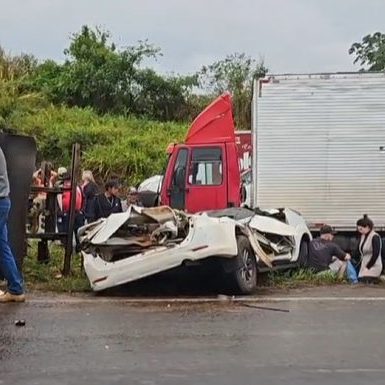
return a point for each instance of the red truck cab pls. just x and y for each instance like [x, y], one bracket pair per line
[203, 173]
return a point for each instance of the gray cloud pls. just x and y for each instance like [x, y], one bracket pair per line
[291, 35]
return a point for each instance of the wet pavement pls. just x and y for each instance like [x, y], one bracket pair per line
[302, 337]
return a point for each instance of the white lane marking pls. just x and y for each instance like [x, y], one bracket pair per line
[197, 300]
[346, 370]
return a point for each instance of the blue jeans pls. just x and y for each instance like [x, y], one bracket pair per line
[63, 223]
[7, 261]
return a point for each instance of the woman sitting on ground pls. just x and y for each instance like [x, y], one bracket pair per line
[368, 252]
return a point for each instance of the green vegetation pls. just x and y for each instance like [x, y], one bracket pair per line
[235, 74]
[48, 276]
[301, 277]
[122, 114]
[98, 74]
[130, 148]
[370, 52]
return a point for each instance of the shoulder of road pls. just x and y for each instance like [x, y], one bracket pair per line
[308, 294]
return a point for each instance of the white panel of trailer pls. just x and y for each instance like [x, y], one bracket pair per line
[321, 146]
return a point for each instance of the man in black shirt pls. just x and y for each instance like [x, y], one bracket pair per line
[107, 203]
[325, 255]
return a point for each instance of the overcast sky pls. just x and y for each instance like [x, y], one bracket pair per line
[291, 35]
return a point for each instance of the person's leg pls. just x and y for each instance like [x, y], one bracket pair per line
[59, 223]
[79, 222]
[369, 280]
[7, 261]
[62, 225]
[339, 268]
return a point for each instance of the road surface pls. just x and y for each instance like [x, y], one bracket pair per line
[305, 337]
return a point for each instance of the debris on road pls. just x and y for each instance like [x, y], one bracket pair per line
[20, 322]
[263, 307]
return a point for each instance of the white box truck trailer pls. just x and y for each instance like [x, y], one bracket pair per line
[319, 147]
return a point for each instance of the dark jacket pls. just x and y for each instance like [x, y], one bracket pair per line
[90, 190]
[103, 207]
[321, 253]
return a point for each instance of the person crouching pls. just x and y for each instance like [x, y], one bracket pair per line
[326, 255]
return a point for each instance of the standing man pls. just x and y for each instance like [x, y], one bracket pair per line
[15, 291]
[107, 203]
[325, 255]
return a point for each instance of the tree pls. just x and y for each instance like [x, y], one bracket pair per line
[95, 74]
[370, 53]
[163, 97]
[235, 73]
[99, 75]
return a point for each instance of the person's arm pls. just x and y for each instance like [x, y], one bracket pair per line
[120, 209]
[376, 248]
[94, 190]
[356, 253]
[53, 178]
[60, 203]
[340, 254]
[36, 173]
[94, 210]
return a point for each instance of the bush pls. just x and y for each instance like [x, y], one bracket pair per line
[130, 148]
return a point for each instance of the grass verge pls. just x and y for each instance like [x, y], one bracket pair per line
[47, 276]
[302, 277]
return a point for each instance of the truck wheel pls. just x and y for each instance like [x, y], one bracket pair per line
[245, 276]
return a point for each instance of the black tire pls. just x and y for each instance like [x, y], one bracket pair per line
[303, 253]
[245, 275]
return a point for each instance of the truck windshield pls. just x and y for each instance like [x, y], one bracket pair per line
[206, 166]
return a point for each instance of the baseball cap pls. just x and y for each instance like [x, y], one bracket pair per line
[61, 171]
[326, 229]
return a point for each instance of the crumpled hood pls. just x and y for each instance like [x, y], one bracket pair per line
[103, 230]
[271, 225]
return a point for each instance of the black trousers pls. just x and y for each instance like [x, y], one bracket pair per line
[63, 222]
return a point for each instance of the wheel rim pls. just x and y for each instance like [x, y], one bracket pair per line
[247, 270]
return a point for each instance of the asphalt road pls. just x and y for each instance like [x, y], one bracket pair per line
[320, 340]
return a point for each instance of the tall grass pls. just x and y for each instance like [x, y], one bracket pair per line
[129, 148]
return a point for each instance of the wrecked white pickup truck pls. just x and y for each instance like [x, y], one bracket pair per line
[144, 241]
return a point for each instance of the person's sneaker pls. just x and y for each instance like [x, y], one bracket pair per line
[8, 297]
